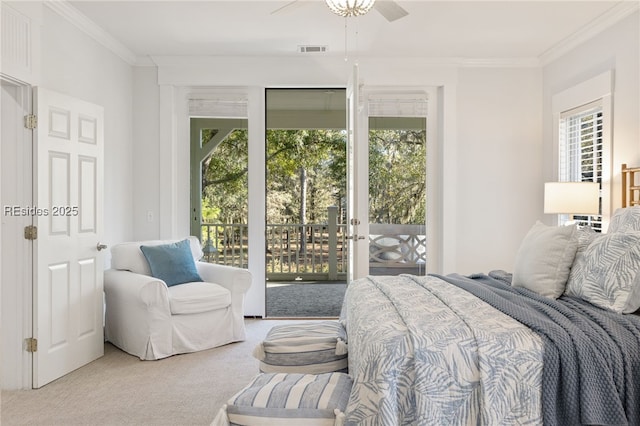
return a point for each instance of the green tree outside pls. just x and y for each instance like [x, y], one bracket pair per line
[306, 173]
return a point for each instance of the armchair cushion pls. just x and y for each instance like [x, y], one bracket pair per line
[172, 263]
[128, 257]
[197, 297]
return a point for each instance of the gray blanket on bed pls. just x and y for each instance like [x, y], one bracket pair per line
[591, 373]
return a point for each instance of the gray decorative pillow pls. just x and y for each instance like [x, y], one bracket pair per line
[625, 219]
[609, 276]
[544, 259]
[585, 237]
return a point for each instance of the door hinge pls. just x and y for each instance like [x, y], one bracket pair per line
[31, 232]
[31, 344]
[31, 121]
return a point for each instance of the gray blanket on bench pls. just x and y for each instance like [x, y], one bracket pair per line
[591, 373]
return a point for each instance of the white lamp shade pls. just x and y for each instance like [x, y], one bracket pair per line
[572, 198]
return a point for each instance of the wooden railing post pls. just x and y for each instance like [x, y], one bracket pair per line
[332, 228]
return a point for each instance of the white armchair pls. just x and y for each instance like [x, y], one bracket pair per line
[151, 320]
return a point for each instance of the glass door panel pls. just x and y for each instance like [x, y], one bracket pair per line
[397, 195]
[387, 175]
[219, 190]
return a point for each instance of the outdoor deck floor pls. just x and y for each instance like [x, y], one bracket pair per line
[317, 299]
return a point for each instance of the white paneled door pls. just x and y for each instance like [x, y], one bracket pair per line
[68, 261]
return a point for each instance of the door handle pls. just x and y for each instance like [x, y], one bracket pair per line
[101, 246]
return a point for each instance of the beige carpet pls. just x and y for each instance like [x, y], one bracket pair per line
[119, 389]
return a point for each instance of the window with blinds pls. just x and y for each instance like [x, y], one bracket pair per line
[581, 151]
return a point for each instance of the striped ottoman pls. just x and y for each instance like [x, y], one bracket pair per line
[281, 399]
[311, 348]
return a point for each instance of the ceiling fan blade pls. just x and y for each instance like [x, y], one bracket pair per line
[286, 6]
[390, 10]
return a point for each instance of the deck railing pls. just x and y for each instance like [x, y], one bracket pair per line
[306, 252]
[397, 248]
[317, 252]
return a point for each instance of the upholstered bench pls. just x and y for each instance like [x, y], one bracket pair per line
[281, 399]
[311, 348]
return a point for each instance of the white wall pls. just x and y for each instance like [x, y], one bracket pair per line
[146, 172]
[499, 194]
[616, 49]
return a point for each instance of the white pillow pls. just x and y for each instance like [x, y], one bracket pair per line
[609, 275]
[544, 259]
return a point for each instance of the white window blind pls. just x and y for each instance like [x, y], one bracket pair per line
[581, 148]
[231, 107]
[397, 105]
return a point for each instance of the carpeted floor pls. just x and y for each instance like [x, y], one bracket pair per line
[305, 299]
[119, 389]
[189, 389]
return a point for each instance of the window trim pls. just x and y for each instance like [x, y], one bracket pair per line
[598, 88]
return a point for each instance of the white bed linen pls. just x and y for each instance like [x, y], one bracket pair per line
[424, 352]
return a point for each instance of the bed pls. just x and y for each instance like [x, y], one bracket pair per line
[559, 345]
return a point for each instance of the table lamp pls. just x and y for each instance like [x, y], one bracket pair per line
[572, 198]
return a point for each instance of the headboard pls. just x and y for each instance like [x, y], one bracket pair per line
[630, 186]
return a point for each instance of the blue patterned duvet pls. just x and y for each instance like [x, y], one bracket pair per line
[424, 352]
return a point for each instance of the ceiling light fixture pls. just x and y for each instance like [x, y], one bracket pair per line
[349, 8]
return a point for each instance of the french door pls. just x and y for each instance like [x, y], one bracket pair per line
[357, 183]
[387, 180]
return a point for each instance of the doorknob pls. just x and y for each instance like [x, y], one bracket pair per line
[101, 246]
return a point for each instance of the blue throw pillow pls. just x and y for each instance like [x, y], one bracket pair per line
[172, 263]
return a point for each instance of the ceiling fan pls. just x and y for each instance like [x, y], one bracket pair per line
[389, 9]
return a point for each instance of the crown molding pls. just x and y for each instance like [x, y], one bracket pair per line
[89, 27]
[618, 12]
[498, 62]
[212, 60]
